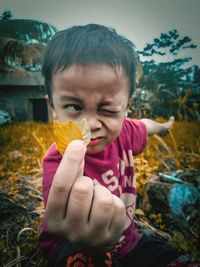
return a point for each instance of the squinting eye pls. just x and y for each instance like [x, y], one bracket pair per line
[72, 107]
[110, 112]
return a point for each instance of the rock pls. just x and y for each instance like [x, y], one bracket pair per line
[176, 196]
[173, 197]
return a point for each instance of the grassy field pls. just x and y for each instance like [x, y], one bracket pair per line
[22, 148]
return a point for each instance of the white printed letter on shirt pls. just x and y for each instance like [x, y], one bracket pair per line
[111, 180]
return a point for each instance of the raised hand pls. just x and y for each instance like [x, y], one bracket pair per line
[86, 214]
[166, 126]
[154, 127]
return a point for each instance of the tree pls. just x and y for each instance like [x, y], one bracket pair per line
[22, 43]
[170, 42]
[167, 84]
[6, 15]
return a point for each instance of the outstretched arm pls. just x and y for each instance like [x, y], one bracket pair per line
[154, 127]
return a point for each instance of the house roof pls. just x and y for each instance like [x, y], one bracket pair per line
[33, 79]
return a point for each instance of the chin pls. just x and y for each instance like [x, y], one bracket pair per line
[94, 150]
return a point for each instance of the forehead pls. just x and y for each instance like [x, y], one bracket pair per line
[94, 77]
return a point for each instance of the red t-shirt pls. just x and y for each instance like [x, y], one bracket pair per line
[112, 168]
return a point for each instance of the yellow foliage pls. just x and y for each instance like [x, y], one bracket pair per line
[23, 146]
[178, 150]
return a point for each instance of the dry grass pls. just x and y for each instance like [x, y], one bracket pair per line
[22, 147]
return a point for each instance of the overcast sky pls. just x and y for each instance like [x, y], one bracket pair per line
[139, 20]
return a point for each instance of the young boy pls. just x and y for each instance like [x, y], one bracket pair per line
[90, 193]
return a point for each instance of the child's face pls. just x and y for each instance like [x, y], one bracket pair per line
[97, 93]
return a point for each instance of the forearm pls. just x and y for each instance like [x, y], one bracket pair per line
[154, 127]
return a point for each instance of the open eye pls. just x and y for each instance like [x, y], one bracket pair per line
[72, 107]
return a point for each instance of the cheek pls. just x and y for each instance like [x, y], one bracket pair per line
[114, 127]
[60, 113]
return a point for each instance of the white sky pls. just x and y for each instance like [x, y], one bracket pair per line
[139, 20]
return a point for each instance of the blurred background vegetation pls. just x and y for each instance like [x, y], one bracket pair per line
[160, 83]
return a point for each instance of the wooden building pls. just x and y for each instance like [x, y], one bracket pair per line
[23, 97]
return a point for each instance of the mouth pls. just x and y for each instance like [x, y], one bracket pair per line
[95, 141]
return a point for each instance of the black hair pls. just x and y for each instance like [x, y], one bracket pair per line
[89, 44]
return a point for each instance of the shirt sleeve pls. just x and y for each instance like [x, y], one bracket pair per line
[136, 132]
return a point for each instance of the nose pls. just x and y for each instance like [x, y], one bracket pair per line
[94, 123]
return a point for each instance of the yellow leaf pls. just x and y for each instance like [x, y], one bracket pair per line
[69, 131]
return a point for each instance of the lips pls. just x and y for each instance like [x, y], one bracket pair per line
[95, 141]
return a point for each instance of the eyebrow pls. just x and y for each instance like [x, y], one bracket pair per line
[71, 98]
[107, 103]
[77, 100]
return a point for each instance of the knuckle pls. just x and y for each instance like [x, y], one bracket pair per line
[77, 237]
[119, 204]
[104, 197]
[59, 187]
[72, 159]
[106, 203]
[82, 186]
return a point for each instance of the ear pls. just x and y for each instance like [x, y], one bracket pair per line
[49, 101]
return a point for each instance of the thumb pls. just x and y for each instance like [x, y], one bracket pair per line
[75, 151]
[71, 166]
[170, 122]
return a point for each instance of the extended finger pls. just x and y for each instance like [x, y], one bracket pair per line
[64, 178]
[117, 223]
[79, 204]
[102, 209]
